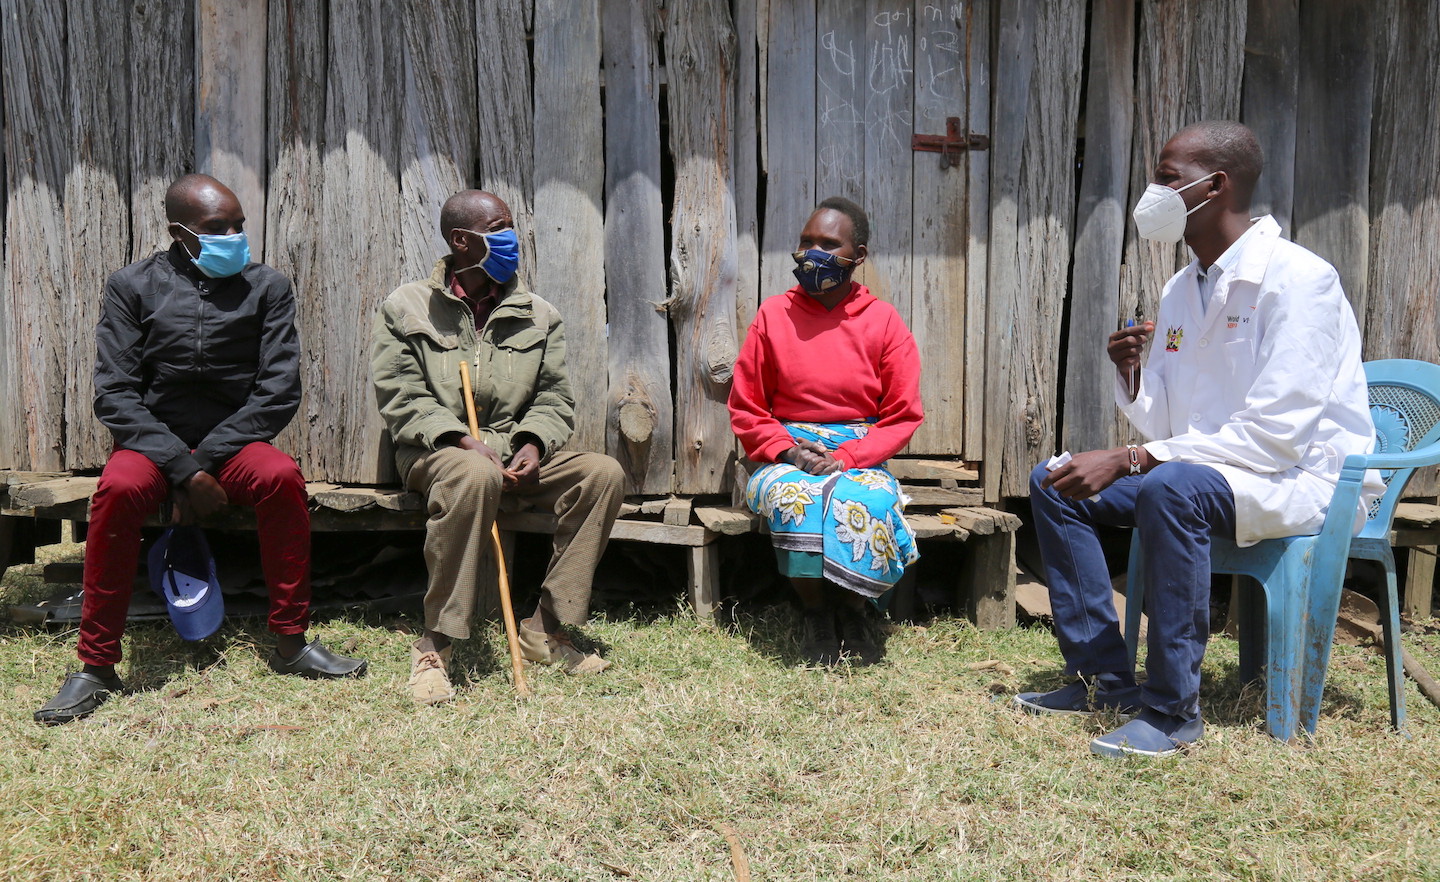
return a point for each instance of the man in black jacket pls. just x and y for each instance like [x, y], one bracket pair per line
[197, 370]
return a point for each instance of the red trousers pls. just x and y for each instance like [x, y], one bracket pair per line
[131, 487]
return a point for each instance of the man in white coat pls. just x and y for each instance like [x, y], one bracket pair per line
[1249, 404]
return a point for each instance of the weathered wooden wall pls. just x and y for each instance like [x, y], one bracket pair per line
[660, 157]
[98, 178]
[641, 435]
[700, 45]
[37, 159]
[1032, 216]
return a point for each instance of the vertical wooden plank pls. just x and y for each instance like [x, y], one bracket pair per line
[37, 156]
[360, 222]
[1164, 71]
[506, 116]
[789, 154]
[438, 139]
[1332, 151]
[10, 431]
[889, 123]
[1189, 48]
[97, 189]
[1014, 66]
[1400, 316]
[569, 181]
[703, 568]
[295, 113]
[700, 48]
[162, 132]
[987, 580]
[940, 197]
[1100, 220]
[1400, 320]
[640, 414]
[230, 104]
[977, 245]
[840, 94]
[747, 164]
[1215, 58]
[1268, 100]
[1160, 76]
[1040, 46]
[1419, 585]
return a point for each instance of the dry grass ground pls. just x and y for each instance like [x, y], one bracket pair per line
[915, 770]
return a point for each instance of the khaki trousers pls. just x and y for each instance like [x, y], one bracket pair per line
[462, 491]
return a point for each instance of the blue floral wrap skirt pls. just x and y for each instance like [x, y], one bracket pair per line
[853, 519]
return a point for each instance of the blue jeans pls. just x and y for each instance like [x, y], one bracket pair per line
[1175, 508]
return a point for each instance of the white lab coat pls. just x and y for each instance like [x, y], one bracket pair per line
[1266, 386]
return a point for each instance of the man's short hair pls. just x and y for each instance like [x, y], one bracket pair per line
[462, 211]
[178, 204]
[859, 221]
[1229, 146]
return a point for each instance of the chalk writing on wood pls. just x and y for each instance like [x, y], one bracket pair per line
[788, 138]
[889, 118]
[840, 101]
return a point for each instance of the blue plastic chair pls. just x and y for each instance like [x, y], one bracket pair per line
[1293, 617]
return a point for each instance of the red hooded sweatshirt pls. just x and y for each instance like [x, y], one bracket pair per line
[803, 363]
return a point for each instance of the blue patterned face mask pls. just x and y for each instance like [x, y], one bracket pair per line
[820, 271]
[220, 256]
[502, 254]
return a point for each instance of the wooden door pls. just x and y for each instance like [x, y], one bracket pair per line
[847, 86]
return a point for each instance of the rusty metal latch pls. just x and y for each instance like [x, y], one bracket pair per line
[951, 144]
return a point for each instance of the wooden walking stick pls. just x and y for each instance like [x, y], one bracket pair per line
[507, 611]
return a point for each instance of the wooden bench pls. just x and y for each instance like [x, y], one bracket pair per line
[985, 584]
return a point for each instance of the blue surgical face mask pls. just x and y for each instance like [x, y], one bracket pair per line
[820, 272]
[502, 254]
[220, 256]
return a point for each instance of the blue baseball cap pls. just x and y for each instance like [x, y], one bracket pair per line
[182, 571]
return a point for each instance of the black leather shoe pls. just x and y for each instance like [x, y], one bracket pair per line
[315, 662]
[819, 644]
[79, 696]
[860, 638]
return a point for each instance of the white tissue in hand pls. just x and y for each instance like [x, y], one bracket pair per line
[1057, 461]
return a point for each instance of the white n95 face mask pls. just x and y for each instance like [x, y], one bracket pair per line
[1160, 214]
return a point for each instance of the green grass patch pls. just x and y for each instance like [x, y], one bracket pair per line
[916, 769]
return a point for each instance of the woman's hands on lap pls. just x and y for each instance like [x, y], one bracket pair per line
[811, 457]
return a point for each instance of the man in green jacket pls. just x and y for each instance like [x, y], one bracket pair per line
[473, 309]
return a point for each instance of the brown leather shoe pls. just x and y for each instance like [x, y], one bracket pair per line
[429, 676]
[556, 649]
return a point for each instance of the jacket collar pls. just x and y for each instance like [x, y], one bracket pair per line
[1254, 256]
[514, 299]
[182, 264]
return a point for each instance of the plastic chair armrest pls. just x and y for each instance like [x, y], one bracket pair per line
[1405, 459]
[1344, 503]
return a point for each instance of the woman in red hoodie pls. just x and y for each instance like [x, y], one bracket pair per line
[827, 387]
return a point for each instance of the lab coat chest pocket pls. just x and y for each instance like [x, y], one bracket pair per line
[1238, 362]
